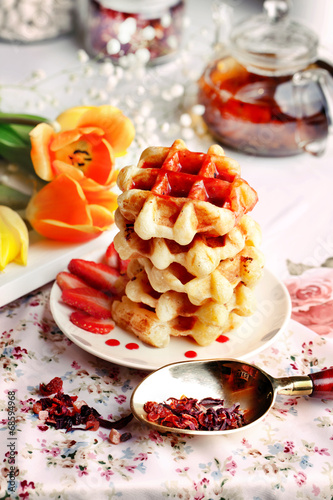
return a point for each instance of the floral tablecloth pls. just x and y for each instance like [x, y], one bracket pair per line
[287, 455]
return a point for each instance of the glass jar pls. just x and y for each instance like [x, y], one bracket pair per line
[269, 94]
[151, 29]
[26, 21]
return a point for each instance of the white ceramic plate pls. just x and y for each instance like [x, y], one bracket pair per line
[46, 258]
[123, 348]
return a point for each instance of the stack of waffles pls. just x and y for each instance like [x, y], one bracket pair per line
[193, 251]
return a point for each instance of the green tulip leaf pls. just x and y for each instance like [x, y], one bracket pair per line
[18, 154]
[21, 119]
[11, 137]
[15, 145]
[12, 198]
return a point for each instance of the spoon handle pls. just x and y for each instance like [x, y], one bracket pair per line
[322, 384]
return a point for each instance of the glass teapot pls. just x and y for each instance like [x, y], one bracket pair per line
[269, 93]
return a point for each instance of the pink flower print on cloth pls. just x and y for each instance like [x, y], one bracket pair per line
[312, 299]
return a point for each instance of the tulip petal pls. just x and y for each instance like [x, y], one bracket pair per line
[8, 246]
[60, 211]
[119, 130]
[71, 117]
[99, 195]
[41, 137]
[104, 197]
[60, 231]
[90, 153]
[100, 168]
[102, 218]
[14, 238]
[63, 139]
[89, 185]
[63, 199]
[59, 167]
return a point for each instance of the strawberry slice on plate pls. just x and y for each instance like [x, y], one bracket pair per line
[89, 300]
[95, 274]
[67, 280]
[111, 257]
[89, 323]
[123, 265]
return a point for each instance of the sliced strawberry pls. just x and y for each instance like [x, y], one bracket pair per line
[91, 324]
[112, 258]
[67, 280]
[87, 299]
[123, 265]
[97, 275]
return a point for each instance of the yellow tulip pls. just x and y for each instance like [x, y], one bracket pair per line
[14, 238]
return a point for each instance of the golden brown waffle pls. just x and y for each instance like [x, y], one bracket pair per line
[154, 317]
[171, 304]
[174, 193]
[200, 257]
[246, 267]
[179, 318]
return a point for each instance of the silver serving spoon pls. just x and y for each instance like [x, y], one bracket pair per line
[233, 381]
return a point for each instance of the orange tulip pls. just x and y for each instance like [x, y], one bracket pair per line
[86, 145]
[78, 161]
[61, 211]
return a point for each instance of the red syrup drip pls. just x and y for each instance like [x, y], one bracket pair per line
[222, 339]
[112, 342]
[190, 354]
[132, 346]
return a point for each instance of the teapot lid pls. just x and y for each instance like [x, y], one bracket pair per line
[273, 44]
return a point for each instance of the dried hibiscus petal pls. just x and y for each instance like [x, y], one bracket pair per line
[63, 412]
[54, 386]
[170, 421]
[125, 437]
[189, 413]
[37, 407]
[157, 411]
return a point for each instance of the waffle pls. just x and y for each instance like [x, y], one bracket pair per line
[171, 304]
[174, 193]
[200, 257]
[245, 267]
[192, 250]
[172, 316]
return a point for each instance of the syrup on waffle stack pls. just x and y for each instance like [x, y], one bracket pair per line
[194, 256]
